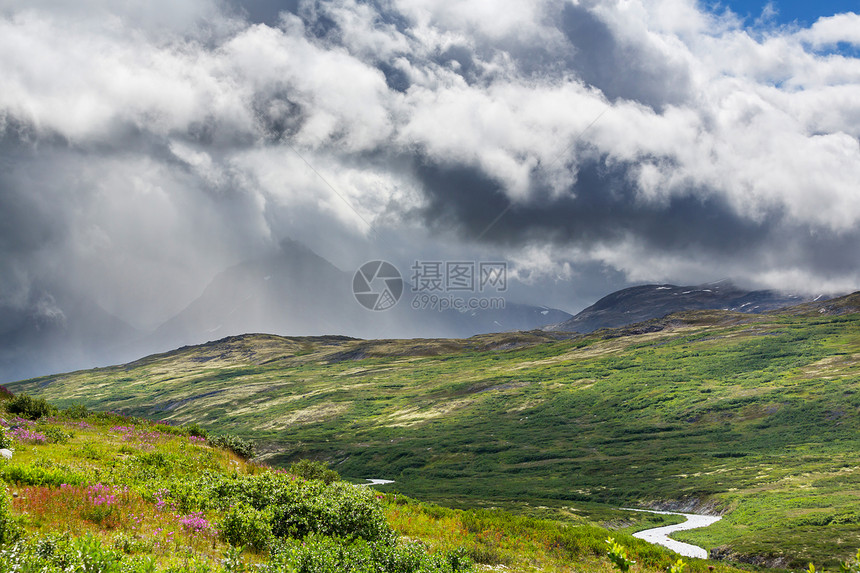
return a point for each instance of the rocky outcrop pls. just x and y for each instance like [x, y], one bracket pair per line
[689, 505]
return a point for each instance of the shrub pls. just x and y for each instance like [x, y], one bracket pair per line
[348, 511]
[244, 525]
[310, 469]
[76, 412]
[10, 530]
[233, 562]
[36, 475]
[233, 443]
[295, 508]
[186, 495]
[56, 435]
[62, 553]
[319, 554]
[165, 428]
[195, 430]
[300, 508]
[28, 407]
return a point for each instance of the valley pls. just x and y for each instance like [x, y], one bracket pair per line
[751, 416]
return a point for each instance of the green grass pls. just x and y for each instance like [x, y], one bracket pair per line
[109, 494]
[753, 415]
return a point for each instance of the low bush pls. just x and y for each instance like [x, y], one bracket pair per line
[246, 526]
[320, 554]
[339, 509]
[233, 443]
[293, 507]
[28, 407]
[300, 507]
[618, 555]
[311, 469]
[62, 553]
[33, 474]
[195, 430]
[76, 412]
[57, 436]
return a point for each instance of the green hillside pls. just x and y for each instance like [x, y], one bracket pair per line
[91, 492]
[754, 416]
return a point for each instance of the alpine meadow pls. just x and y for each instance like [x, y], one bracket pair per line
[750, 416]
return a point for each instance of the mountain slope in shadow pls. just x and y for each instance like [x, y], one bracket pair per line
[640, 303]
[297, 292]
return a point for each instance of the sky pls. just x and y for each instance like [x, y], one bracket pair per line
[145, 146]
[803, 13]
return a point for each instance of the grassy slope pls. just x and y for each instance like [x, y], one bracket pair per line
[756, 414]
[137, 460]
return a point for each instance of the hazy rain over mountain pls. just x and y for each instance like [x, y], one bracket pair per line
[146, 147]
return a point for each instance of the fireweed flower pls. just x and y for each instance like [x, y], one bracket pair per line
[101, 495]
[195, 523]
[162, 501]
[26, 436]
[123, 429]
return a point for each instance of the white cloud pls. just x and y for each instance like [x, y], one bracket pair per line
[82, 85]
[493, 19]
[832, 30]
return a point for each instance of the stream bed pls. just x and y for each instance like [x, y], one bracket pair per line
[660, 535]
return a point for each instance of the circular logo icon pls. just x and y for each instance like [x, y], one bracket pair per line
[377, 285]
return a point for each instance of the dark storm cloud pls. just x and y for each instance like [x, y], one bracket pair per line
[601, 207]
[618, 67]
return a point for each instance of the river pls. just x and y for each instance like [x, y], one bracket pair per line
[372, 481]
[660, 535]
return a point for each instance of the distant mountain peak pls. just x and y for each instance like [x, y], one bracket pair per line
[295, 291]
[644, 302]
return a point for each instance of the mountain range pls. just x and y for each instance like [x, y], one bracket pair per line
[296, 292]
